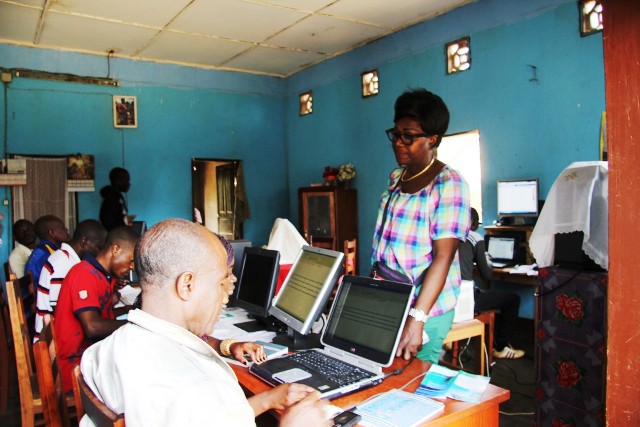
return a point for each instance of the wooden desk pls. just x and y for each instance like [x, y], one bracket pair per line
[503, 275]
[456, 413]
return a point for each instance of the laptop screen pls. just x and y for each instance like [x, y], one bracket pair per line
[366, 318]
[501, 248]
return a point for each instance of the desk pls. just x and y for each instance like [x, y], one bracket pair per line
[503, 275]
[455, 413]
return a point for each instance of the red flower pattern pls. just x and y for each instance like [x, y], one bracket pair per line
[568, 374]
[570, 307]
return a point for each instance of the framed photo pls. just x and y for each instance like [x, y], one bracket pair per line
[125, 111]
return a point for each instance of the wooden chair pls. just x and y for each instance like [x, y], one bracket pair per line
[54, 402]
[93, 407]
[7, 358]
[470, 329]
[350, 265]
[488, 319]
[32, 393]
[7, 271]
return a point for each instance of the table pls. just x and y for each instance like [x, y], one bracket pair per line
[456, 413]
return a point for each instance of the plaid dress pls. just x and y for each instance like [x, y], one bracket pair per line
[440, 210]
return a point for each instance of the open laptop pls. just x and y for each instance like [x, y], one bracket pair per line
[361, 335]
[502, 250]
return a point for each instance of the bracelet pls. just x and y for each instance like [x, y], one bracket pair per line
[225, 346]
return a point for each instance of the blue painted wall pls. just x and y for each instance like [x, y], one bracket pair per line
[527, 129]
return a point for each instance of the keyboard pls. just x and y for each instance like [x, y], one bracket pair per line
[340, 372]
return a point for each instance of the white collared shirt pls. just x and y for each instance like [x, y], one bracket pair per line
[160, 374]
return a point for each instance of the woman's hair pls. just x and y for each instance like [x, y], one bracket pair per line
[426, 108]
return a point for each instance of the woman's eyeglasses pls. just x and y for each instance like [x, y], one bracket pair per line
[405, 138]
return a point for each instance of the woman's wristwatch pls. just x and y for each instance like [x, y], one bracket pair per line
[418, 315]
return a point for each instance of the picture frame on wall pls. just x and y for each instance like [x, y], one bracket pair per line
[125, 111]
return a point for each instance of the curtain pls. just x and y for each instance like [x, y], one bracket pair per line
[45, 192]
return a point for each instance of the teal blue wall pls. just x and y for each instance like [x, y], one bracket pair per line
[527, 129]
[189, 113]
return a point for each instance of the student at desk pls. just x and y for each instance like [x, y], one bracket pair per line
[508, 303]
[157, 370]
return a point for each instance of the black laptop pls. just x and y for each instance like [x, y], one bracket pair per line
[361, 336]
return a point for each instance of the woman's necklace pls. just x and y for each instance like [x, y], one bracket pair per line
[433, 159]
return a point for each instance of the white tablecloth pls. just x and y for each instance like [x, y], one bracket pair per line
[577, 201]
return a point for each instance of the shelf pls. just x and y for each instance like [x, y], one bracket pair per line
[13, 179]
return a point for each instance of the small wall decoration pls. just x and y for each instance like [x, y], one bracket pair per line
[80, 172]
[125, 111]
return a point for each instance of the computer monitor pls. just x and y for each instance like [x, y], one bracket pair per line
[503, 249]
[139, 227]
[304, 293]
[517, 199]
[256, 285]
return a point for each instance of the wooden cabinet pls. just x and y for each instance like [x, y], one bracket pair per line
[328, 215]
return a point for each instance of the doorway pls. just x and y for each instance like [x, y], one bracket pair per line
[217, 204]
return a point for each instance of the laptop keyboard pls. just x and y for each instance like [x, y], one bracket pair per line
[342, 373]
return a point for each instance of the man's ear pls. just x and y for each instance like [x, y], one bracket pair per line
[185, 285]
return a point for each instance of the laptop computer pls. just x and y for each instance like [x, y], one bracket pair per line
[361, 336]
[502, 250]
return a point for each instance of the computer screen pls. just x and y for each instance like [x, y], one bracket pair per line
[139, 227]
[304, 293]
[517, 198]
[257, 282]
[502, 249]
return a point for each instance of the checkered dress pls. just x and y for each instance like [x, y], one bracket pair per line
[438, 211]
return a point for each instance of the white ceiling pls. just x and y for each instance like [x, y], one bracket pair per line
[272, 37]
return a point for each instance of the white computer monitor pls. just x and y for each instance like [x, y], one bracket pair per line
[517, 198]
[306, 290]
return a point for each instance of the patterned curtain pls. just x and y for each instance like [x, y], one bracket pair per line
[45, 192]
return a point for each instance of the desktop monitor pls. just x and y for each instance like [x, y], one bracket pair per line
[257, 284]
[517, 198]
[304, 293]
[139, 227]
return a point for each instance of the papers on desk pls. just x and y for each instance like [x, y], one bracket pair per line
[527, 270]
[225, 328]
[397, 408]
[441, 382]
[128, 294]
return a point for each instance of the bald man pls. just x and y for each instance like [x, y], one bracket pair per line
[157, 370]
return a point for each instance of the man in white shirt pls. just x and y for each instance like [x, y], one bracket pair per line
[88, 238]
[157, 370]
[24, 235]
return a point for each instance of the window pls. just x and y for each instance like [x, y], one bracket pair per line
[461, 151]
[306, 103]
[370, 84]
[590, 16]
[458, 55]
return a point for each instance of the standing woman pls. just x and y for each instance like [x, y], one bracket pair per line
[423, 216]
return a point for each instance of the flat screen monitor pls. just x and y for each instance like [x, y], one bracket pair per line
[139, 227]
[304, 293]
[518, 198]
[257, 282]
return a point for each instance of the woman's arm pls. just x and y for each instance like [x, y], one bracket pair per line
[444, 251]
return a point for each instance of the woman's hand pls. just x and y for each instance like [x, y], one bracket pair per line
[254, 351]
[410, 340]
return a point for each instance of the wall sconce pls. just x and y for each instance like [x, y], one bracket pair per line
[306, 103]
[370, 84]
[458, 55]
[590, 12]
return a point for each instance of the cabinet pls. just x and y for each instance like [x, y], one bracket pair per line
[328, 215]
[571, 324]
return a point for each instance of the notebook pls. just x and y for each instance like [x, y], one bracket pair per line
[502, 250]
[361, 335]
